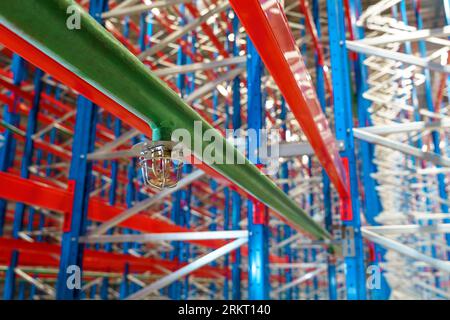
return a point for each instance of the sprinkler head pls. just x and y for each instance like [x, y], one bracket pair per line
[161, 163]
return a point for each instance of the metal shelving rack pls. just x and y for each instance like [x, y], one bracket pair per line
[357, 92]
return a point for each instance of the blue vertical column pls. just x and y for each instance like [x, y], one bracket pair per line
[279, 237]
[7, 153]
[186, 194]
[27, 160]
[226, 226]
[112, 196]
[33, 211]
[28, 150]
[284, 174]
[10, 116]
[80, 176]
[130, 192]
[130, 198]
[258, 255]
[124, 289]
[176, 288]
[306, 255]
[143, 31]
[213, 227]
[213, 185]
[185, 209]
[82, 180]
[354, 253]
[372, 205]
[236, 201]
[326, 190]
[315, 280]
[181, 197]
[227, 190]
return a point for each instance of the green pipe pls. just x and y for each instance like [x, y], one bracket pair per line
[97, 57]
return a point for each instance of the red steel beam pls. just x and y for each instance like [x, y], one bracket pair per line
[38, 58]
[102, 131]
[267, 26]
[38, 254]
[59, 200]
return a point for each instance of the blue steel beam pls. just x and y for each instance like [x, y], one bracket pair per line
[175, 289]
[39, 154]
[284, 174]
[186, 194]
[236, 204]
[7, 154]
[258, 270]
[10, 116]
[236, 201]
[306, 251]
[326, 187]
[226, 190]
[26, 162]
[213, 185]
[80, 175]
[28, 151]
[124, 290]
[226, 226]
[354, 255]
[112, 197]
[130, 199]
[372, 205]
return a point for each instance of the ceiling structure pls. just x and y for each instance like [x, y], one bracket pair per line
[370, 108]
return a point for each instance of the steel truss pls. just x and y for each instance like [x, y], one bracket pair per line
[72, 200]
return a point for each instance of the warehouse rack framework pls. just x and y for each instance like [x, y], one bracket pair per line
[75, 102]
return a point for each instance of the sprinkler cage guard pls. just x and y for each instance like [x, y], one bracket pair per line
[161, 163]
